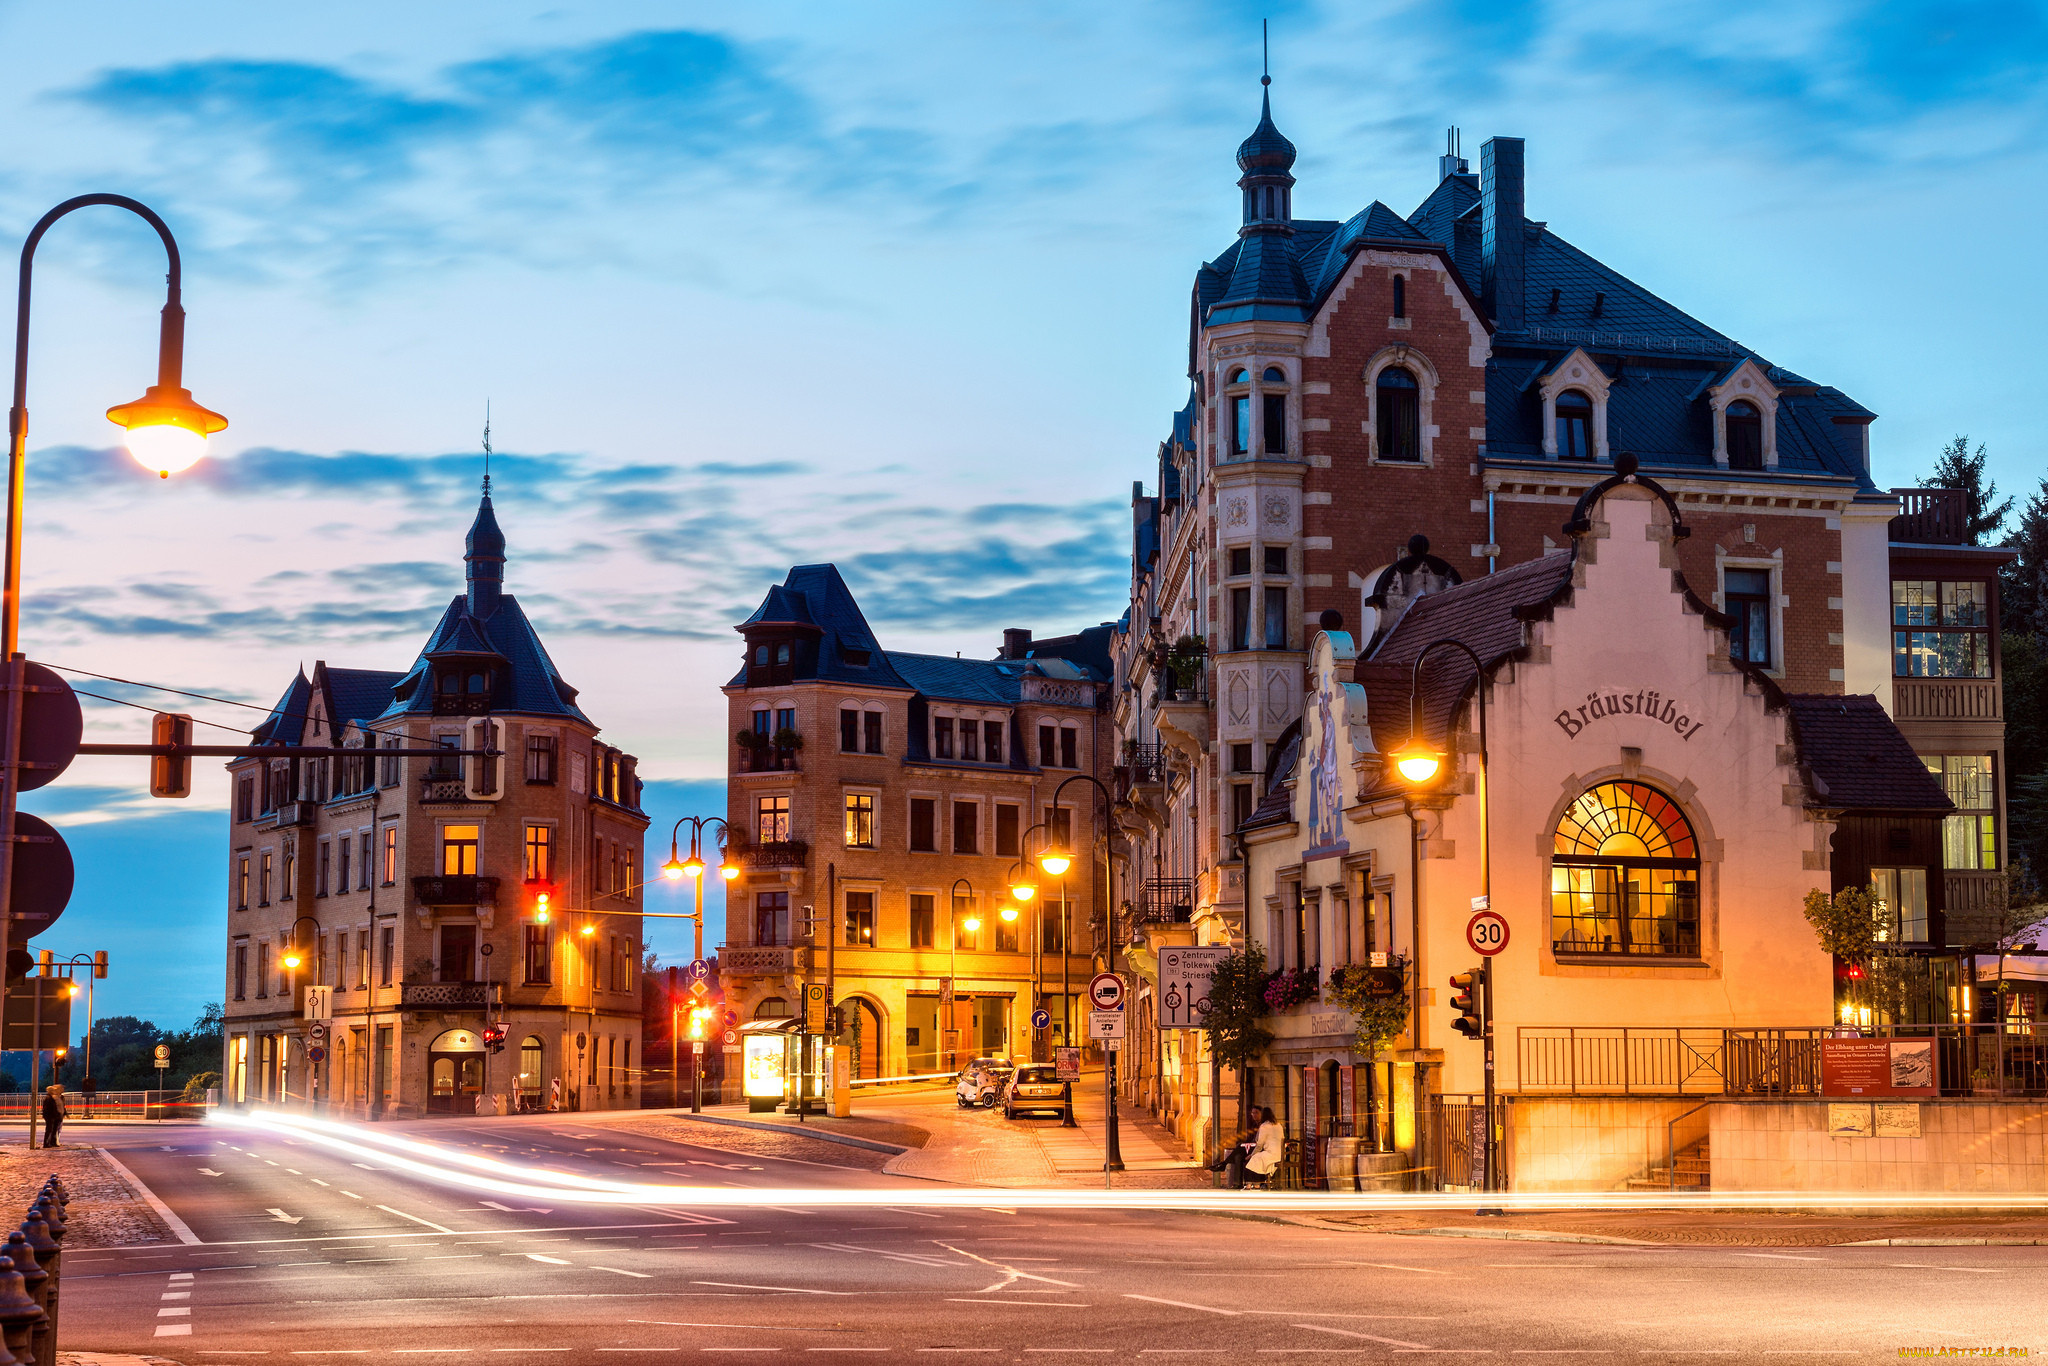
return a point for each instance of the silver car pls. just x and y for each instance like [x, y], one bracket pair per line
[1037, 1088]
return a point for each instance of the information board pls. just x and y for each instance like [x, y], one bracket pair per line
[1184, 984]
[1879, 1067]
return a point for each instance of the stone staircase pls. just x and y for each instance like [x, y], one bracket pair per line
[1694, 1172]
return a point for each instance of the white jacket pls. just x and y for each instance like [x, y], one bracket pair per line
[1266, 1150]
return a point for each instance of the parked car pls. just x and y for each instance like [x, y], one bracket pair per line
[980, 1083]
[1037, 1089]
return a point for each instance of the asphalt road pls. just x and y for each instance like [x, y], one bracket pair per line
[303, 1255]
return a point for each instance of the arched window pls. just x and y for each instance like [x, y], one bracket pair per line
[1745, 437]
[774, 1008]
[1274, 410]
[530, 1057]
[1400, 296]
[1574, 426]
[479, 683]
[1625, 876]
[1240, 413]
[1398, 400]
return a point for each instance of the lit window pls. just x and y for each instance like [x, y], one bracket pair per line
[390, 855]
[860, 820]
[1969, 834]
[540, 853]
[860, 920]
[1903, 891]
[1625, 875]
[1941, 629]
[771, 820]
[458, 850]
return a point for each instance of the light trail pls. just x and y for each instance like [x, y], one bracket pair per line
[495, 1176]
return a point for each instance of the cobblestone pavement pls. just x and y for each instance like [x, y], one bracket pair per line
[755, 1142]
[105, 1210]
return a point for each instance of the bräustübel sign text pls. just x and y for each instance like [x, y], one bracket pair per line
[1645, 702]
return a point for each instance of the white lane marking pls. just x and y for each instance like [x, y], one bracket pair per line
[922, 1214]
[538, 1257]
[181, 1275]
[353, 1196]
[1382, 1266]
[282, 1217]
[1781, 1256]
[1012, 1274]
[642, 1275]
[296, 1172]
[1368, 1337]
[318, 1182]
[163, 1211]
[182, 1311]
[208, 1171]
[364, 1165]
[786, 1289]
[438, 1228]
[1034, 1304]
[755, 1327]
[1929, 1266]
[454, 1257]
[423, 1351]
[1067, 1349]
[1183, 1304]
[172, 1330]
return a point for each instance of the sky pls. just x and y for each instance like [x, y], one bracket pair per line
[902, 286]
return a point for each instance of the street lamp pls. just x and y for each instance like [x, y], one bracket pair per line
[1112, 1151]
[98, 963]
[292, 959]
[693, 867]
[166, 431]
[1420, 763]
[955, 924]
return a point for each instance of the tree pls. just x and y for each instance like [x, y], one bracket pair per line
[2023, 584]
[1957, 468]
[1237, 1004]
[1856, 926]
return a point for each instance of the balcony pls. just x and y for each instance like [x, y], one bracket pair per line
[771, 854]
[1974, 900]
[442, 787]
[756, 960]
[768, 760]
[1931, 517]
[462, 704]
[1165, 901]
[444, 995]
[1181, 713]
[1947, 699]
[456, 890]
[287, 814]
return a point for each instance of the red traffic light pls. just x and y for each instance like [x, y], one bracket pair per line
[1468, 986]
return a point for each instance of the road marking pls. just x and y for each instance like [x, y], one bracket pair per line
[282, 1217]
[352, 1195]
[182, 1311]
[149, 1197]
[422, 1351]
[1182, 1304]
[175, 1295]
[754, 1327]
[172, 1330]
[438, 1228]
[296, 1172]
[1368, 1337]
[1379, 1266]
[1929, 1266]
[454, 1257]
[208, 1171]
[1782, 1256]
[333, 1352]
[318, 1182]
[540, 1257]
[1035, 1304]
[617, 1272]
[786, 1289]
[181, 1275]
[1067, 1349]
[358, 1261]
[922, 1214]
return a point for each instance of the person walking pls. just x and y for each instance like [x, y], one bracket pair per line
[54, 1112]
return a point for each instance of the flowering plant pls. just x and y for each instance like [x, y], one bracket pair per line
[1289, 987]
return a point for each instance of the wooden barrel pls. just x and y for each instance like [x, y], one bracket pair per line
[1340, 1164]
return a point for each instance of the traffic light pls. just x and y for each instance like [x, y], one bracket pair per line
[700, 1023]
[1470, 988]
[540, 908]
[99, 965]
[810, 921]
[170, 775]
[494, 1038]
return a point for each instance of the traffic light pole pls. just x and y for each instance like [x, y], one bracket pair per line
[1486, 1024]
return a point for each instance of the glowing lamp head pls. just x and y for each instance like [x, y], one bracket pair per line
[589, 928]
[1009, 914]
[673, 870]
[694, 866]
[1055, 861]
[292, 958]
[1023, 891]
[1418, 762]
[971, 923]
[728, 871]
[167, 431]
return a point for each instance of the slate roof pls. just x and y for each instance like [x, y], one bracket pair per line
[287, 720]
[1856, 759]
[530, 683]
[357, 695]
[996, 682]
[1657, 406]
[815, 597]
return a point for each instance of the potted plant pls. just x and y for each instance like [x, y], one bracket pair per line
[789, 740]
[749, 739]
[1981, 1084]
[1288, 988]
[1184, 661]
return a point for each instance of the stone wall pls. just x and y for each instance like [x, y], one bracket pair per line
[1594, 1144]
[1987, 1146]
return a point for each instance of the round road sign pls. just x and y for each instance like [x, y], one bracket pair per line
[1487, 933]
[1040, 1019]
[316, 1054]
[732, 1036]
[1106, 990]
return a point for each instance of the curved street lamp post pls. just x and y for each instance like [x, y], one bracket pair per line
[166, 431]
[1112, 1152]
[693, 868]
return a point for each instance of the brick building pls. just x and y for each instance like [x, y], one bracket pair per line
[897, 796]
[1387, 406]
[409, 886]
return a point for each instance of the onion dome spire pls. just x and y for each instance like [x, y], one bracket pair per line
[1267, 160]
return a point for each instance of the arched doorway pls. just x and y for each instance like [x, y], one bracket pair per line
[455, 1071]
[864, 1033]
[532, 1058]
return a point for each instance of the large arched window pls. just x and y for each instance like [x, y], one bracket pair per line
[1574, 426]
[1625, 876]
[1399, 401]
[1745, 437]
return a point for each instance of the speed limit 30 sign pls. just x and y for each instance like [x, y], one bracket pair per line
[1487, 933]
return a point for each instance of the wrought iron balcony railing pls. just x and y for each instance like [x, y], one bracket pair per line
[456, 890]
[444, 995]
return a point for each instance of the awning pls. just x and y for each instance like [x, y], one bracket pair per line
[2019, 967]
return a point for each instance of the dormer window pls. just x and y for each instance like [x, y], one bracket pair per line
[1574, 426]
[1745, 437]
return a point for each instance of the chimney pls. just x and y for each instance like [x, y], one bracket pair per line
[1016, 642]
[1452, 162]
[1502, 279]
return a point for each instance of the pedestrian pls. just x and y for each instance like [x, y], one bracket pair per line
[54, 1112]
[1258, 1152]
[554, 1094]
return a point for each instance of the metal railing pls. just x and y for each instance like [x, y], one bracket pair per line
[16, 1105]
[456, 890]
[1931, 517]
[443, 787]
[772, 854]
[444, 995]
[31, 1267]
[1667, 1061]
[1165, 901]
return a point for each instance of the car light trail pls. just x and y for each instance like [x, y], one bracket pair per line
[496, 1176]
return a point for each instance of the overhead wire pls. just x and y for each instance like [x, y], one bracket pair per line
[183, 692]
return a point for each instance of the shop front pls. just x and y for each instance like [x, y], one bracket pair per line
[1624, 843]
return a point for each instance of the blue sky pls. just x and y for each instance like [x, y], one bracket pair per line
[898, 285]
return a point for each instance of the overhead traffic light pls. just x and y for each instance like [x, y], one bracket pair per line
[1470, 1003]
[494, 1038]
[170, 775]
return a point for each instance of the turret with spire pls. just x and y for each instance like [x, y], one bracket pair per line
[1267, 160]
[484, 550]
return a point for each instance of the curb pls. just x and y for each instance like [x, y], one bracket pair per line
[1947, 1242]
[768, 1126]
[1517, 1235]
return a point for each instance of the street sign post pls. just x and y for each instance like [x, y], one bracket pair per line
[699, 969]
[1106, 990]
[816, 1004]
[319, 1003]
[1184, 984]
[1487, 933]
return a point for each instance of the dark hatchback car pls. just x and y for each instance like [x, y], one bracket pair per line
[1037, 1089]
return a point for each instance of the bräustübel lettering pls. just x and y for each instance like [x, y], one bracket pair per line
[1600, 704]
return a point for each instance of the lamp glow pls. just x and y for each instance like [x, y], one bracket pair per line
[694, 866]
[1054, 862]
[728, 871]
[1023, 891]
[293, 959]
[167, 431]
[672, 870]
[971, 923]
[1009, 914]
[589, 928]
[1418, 762]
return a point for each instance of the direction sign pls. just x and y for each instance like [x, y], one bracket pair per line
[1105, 1024]
[1041, 1019]
[700, 968]
[1184, 984]
[319, 1003]
[1106, 990]
[1487, 933]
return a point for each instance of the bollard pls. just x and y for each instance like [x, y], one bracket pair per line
[35, 1232]
[19, 1316]
[52, 1210]
[42, 1339]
